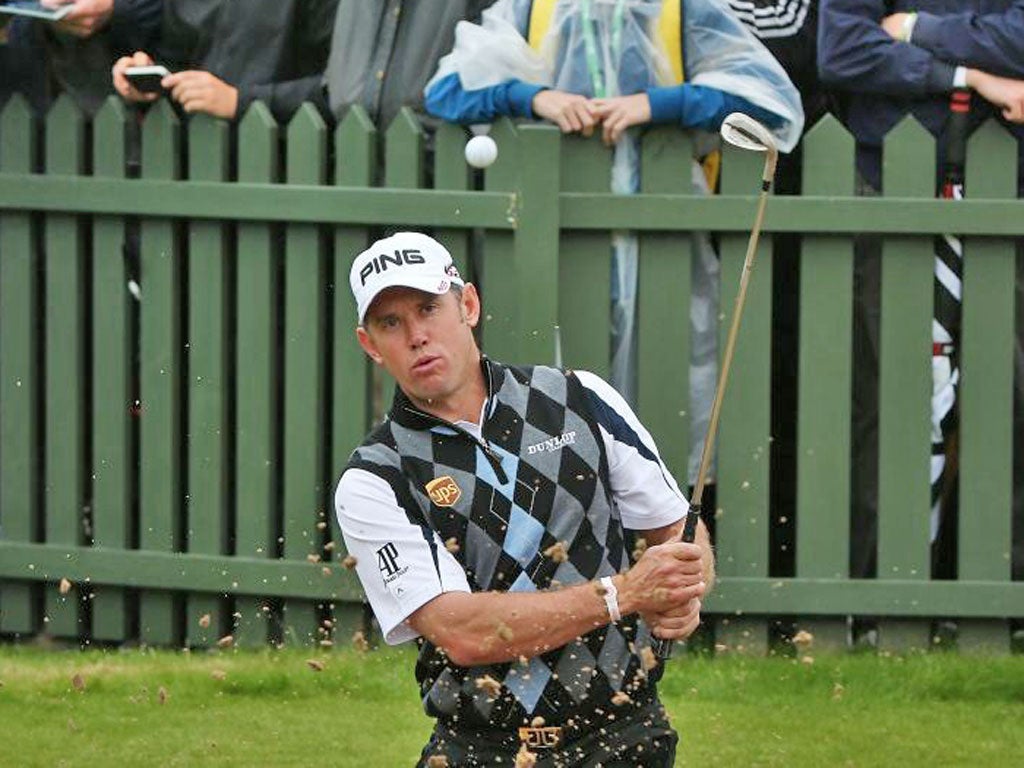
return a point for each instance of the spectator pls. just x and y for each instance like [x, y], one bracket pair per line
[607, 67]
[384, 51]
[225, 55]
[892, 61]
[44, 59]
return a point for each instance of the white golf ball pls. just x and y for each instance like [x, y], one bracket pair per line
[481, 151]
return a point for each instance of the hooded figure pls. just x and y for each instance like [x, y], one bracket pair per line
[625, 63]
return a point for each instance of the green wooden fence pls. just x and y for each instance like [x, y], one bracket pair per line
[180, 386]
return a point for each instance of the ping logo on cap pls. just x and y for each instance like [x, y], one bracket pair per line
[444, 491]
[380, 263]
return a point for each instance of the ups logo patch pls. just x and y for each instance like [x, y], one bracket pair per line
[444, 491]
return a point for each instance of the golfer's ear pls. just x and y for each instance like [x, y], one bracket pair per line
[471, 304]
[367, 344]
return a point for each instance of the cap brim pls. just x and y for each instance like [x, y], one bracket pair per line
[425, 284]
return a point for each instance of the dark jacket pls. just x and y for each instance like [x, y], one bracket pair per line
[274, 51]
[41, 63]
[384, 52]
[886, 80]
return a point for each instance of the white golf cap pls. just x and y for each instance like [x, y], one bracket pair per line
[408, 259]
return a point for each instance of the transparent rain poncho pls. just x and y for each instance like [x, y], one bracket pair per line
[606, 48]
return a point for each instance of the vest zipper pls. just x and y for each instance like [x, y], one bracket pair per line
[493, 459]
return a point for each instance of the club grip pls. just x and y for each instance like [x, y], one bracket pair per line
[663, 648]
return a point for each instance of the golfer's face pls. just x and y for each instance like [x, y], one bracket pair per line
[424, 341]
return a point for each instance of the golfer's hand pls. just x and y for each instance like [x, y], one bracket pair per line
[121, 83]
[663, 580]
[621, 112]
[569, 111]
[1003, 92]
[199, 91]
[86, 18]
[677, 624]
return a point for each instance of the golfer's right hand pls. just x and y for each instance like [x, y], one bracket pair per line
[121, 84]
[569, 111]
[663, 581]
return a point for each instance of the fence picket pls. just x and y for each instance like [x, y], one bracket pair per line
[584, 263]
[452, 172]
[206, 502]
[500, 322]
[663, 306]
[743, 461]
[986, 392]
[160, 385]
[356, 162]
[20, 375]
[823, 421]
[303, 374]
[256, 360]
[65, 432]
[112, 344]
[905, 383]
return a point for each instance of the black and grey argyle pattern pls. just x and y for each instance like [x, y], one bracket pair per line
[537, 479]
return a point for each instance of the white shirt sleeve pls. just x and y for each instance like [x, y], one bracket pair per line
[401, 565]
[645, 492]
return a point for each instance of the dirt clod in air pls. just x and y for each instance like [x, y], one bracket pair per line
[488, 685]
[161, 695]
[537, 722]
[525, 758]
[620, 698]
[204, 620]
[349, 561]
[315, 664]
[452, 545]
[65, 586]
[504, 631]
[218, 674]
[437, 761]
[641, 547]
[226, 642]
[557, 552]
[360, 642]
[78, 682]
[803, 638]
[648, 658]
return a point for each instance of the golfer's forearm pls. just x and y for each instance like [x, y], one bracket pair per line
[491, 627]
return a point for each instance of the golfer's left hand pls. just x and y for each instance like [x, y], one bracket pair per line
[199, 91]
[621, 112]
[677, 624]
[86, 17]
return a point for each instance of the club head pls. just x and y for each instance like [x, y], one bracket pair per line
[745, 132]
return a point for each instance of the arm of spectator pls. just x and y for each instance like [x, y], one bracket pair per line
[692, 106]
[1003, 92]
[448, 100]
[86, 17]
[199, 91]
[857, 54]
[993, 42]
[284, 98]
[135, 24]
[121, 84]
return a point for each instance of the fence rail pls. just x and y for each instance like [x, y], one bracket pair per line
[180, 385]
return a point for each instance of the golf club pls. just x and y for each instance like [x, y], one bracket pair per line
[744, 132]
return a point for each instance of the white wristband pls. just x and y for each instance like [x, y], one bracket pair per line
[611, 598]
[960, 77]
[907, 30]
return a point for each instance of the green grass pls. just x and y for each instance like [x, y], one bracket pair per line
[271, 708]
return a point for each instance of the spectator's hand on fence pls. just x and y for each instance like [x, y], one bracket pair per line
[621, 112]
[1003, 92]
[570, 111]
[121, 84]
[893, 24]
[86, 17]
[199, 91]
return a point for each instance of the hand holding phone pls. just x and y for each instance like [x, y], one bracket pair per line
[146, 79]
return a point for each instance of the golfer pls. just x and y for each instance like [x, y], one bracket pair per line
[519, 524]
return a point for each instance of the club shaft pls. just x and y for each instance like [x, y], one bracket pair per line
[663, 648]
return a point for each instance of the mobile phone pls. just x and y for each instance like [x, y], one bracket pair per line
[147, 79]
